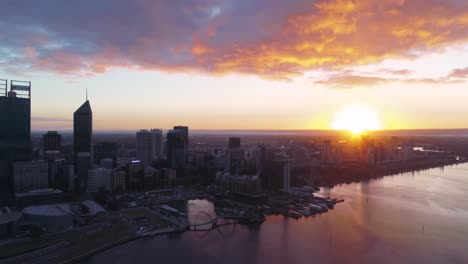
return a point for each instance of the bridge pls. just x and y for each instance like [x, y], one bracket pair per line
[209, 225]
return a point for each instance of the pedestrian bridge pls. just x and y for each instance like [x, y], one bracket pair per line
[211, 224]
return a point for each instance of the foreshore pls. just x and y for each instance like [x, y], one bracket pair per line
[330, 176]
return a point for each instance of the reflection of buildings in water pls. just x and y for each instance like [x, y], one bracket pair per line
[284, 242]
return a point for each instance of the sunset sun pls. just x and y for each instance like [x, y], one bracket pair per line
[356, 119]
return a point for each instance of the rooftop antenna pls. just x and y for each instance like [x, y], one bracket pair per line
[86, 94]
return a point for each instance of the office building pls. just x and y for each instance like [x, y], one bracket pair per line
[52, 141]
[99, 178]
[234, 143]
[270, 170]
[144, 147]
[56, 173]
[83, 165]
[69, 177]
[150, 176]
[368, 152]
[38, 197]
[118, 181]
[107, 163]
[30, 175]
[106, 150]
[325, 153]
[83, 130]
[286, 176]
[184, 130]
[50, 217]
[15, 131]
[234, 160]
[176, 149]
[135, 175]
[157, 144]
[9, 221]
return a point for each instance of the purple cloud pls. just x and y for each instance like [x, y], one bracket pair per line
[273, 38]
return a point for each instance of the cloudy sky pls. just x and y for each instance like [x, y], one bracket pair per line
[239, 64]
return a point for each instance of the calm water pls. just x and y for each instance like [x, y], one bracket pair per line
[407, 218]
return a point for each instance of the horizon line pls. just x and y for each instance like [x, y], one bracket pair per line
[260, 130]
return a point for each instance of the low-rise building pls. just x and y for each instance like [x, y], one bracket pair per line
[50, 217]
[30, 175]
[95, 210]
[38, 197]
[8, 222]
[99, 178]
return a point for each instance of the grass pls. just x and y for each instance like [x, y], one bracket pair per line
[88, 238]
[85, 240]
[133, 213]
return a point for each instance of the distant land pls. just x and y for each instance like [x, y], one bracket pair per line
[461, 132]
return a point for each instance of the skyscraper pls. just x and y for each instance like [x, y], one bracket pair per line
[83, 130]
[15, 128]
[157, 145]
[149, 145]
[51, 141]
[185, 134]
[235, 156]
[175, 148]
[83, 165]
[144, 146]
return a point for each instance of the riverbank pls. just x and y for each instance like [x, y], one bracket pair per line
[331, 176]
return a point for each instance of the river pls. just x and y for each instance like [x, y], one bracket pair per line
[419, 217]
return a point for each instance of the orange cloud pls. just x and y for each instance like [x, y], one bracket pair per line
[343, 33]
[199, 49]
[276, 39]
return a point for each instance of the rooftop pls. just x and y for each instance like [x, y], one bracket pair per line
[49, 210]
[38, 192]
[84, 108]
[6, 215]
[93, 207]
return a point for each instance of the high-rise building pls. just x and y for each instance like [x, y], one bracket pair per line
[325, 153]
[176, 149]
[144, 146]
[15, 129]
[99, 178]
[149, 145]
[135, 175]
[52, 141]
[234, 142]
[234, 160]
[105, 150]
[368, 150]
[107, 163]
[30, 175]
[270, 170]
[118, 181]
[287, 176]
[83, 130]
[83, 165]
[69, 177]
[157, 144]
[184, 130]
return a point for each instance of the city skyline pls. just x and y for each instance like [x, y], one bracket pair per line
[292, 65]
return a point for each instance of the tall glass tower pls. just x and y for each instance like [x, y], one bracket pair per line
[83, 129]
[15, 129]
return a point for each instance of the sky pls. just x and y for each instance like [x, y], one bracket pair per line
[239, 64]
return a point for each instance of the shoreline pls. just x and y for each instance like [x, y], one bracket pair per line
[330, 177]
